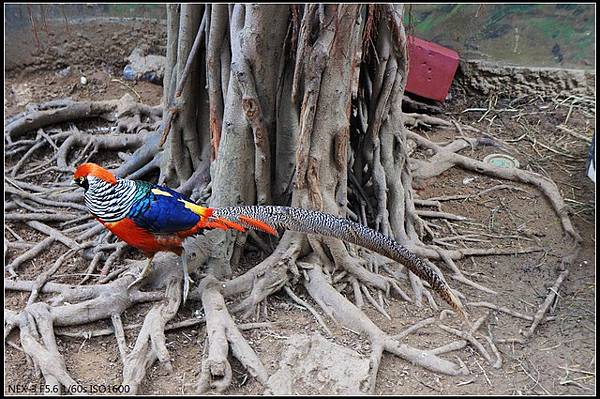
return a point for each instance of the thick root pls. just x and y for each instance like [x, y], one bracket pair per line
[222, 331]
[151, 344]
[344, 312]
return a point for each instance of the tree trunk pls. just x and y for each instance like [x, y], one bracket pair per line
[304, 109]
[311, 95]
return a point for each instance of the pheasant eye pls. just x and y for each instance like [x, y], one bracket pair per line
[83, 183]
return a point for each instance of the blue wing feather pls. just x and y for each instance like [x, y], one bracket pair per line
[160, 213]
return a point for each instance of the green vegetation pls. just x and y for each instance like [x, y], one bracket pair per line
[519, 33]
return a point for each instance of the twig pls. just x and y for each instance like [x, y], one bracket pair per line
[129, 87]
[577, 370]
[303, 303]
[413, 328]
[484, 373]
[498, 363]
[537, 382]
[470, 338]
[549, 300]
[574, 134]
[507, 310]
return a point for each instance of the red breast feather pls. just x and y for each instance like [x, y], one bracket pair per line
[139, 238]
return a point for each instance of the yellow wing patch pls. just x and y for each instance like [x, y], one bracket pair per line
[197, 209]
[158, 191]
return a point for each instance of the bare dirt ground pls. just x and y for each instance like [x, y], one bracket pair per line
[559, 359]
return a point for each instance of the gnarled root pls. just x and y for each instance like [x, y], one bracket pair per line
[76, 305]
[54, 113]
[36, 323]
[268, 276]
[547, 186]
[222, 331]
[151, 344]
[341, 310]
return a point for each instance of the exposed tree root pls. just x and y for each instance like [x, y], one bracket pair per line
[506, 310]
[267, 277]
[344, 312]
[35, 324]
[57, 112]
[43, 277]
[550, 299]
[150, 344]
[29, 254]
[547, 186]
[337, 267]
[414, 328]
[48, 206]
[37, 321]
[303, 303]
[221, 329]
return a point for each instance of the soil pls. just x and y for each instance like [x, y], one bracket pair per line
[558, 359]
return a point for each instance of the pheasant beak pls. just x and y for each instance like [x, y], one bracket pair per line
[74, 183]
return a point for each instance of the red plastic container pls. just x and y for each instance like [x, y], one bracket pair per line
[431, 69]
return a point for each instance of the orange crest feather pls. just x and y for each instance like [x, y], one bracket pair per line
[91, 169]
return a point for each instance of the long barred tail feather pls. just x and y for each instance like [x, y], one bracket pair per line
[268, 218]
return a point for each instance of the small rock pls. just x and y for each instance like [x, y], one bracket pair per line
[144, 66]
[83, 80]
[128, 72]
[63, 73]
